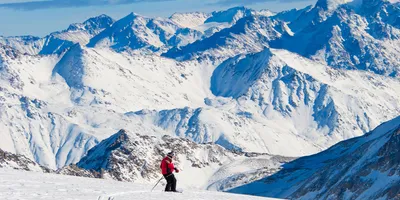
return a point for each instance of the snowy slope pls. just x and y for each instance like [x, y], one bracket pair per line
[32, 186]
[28, 126]
[233, 126]
[133, 82]
[56, 122]
[366, 167]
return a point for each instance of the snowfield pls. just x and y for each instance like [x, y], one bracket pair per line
[33, 186]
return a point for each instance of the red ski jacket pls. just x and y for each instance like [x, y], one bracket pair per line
[167, 167]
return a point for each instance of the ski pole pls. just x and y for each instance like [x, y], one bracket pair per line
[156, 184]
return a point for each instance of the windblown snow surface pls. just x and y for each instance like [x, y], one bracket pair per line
[35, 185]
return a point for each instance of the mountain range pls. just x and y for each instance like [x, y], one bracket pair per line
[278, 85]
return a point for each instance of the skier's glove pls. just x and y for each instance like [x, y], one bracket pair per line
[177, 170]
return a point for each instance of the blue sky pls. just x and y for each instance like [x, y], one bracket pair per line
[40, 17]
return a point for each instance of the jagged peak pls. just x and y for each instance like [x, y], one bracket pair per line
[92, 24]
[97, 157]
[266, 12]
[134, 15]
[188, 13]
[101, 19]
[102, 16]
[120, 137]
[231, 15]
[249, 20]
[130, 18]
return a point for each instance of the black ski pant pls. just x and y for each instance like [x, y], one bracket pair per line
[171, 182]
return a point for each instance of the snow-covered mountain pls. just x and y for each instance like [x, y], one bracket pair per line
[76, 33]
[291, 15]
[89, 93]
[366, 167]
[157, 34]
[365, 37]
[230, 16]
[26, 44]
[136, 32]
[28, 127]
[191, 19]
[282, 85]
[58, 42]
[135, 157]
[350, 35]
[249, 35]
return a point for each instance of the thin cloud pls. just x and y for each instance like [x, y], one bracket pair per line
[35, 5]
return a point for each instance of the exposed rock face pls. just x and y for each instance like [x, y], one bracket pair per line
[74, 170]
[136, 158]
[131, 157]
[19, 162]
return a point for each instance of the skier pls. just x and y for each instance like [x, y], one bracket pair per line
[167, 168]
